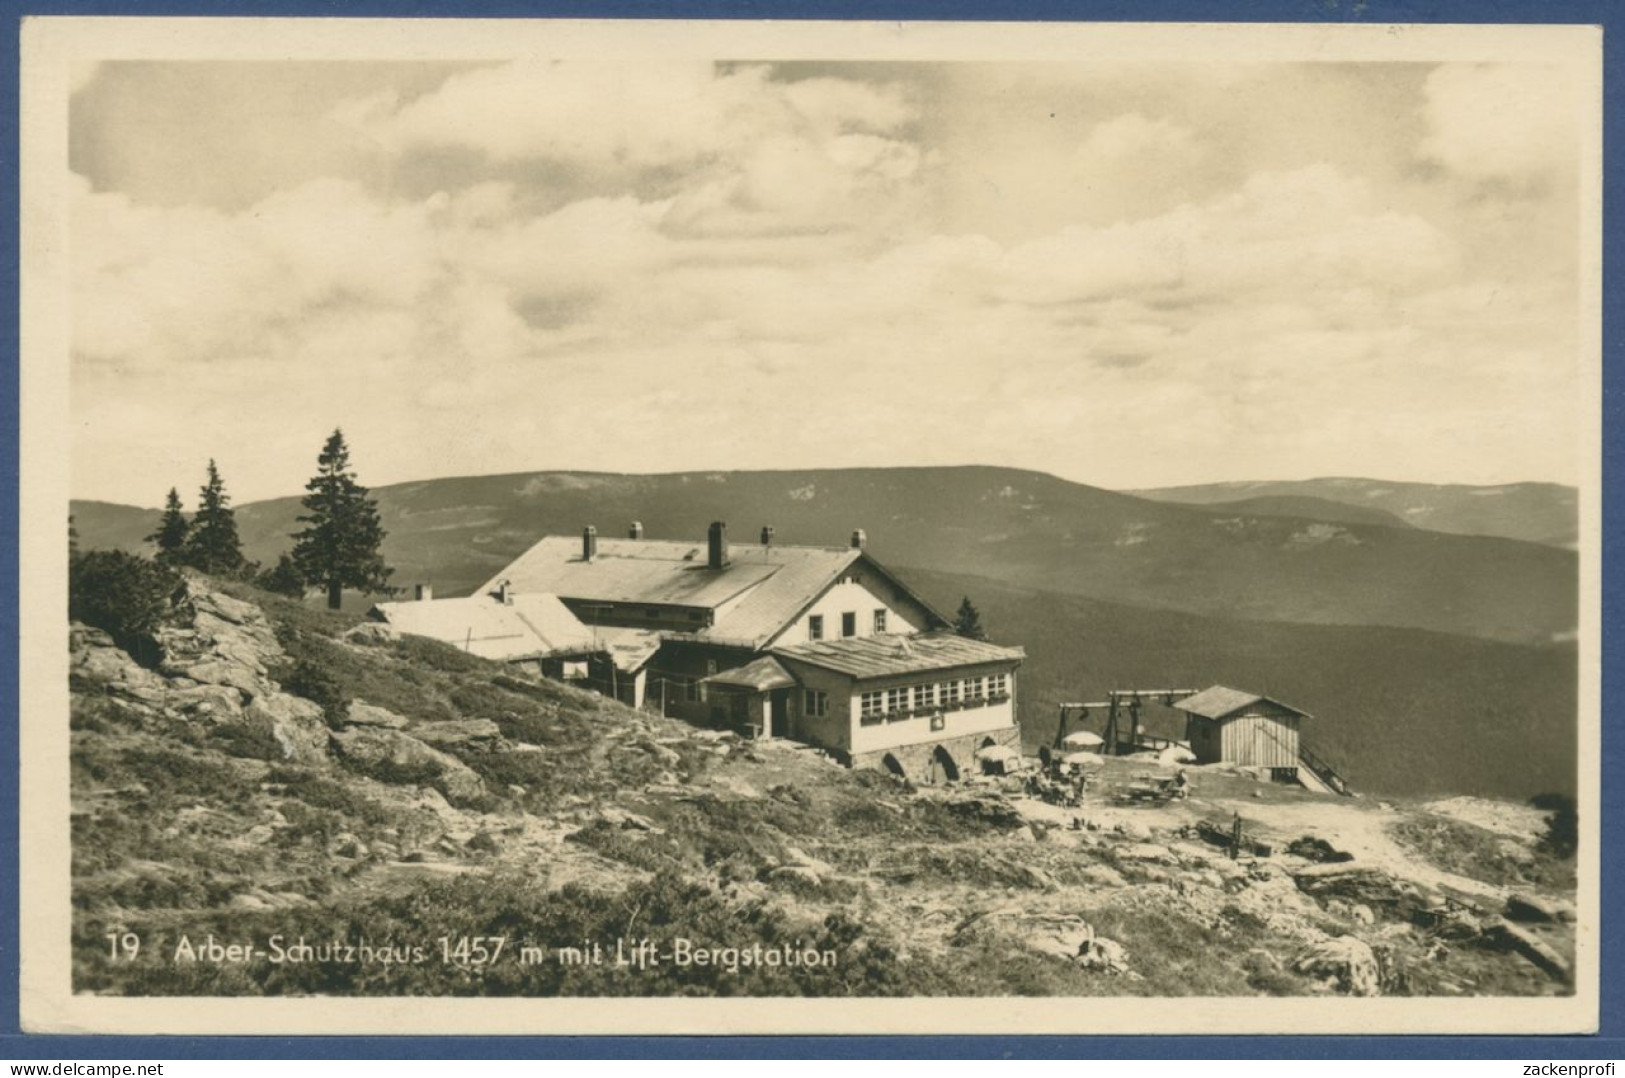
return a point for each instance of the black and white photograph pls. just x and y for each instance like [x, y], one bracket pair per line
[701, 528]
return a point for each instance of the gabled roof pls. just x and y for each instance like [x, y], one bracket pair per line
[531, 626]
[887, 654]
[1219, 702]
[760, 675]
[752, 599]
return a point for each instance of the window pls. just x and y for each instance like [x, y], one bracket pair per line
[816, 703]
[871, 706]
[925, 697]
[849, 624]
[896, 699]
[950, 693]
[815, 627]
[998, 685]
[973, 688]
[880, 620]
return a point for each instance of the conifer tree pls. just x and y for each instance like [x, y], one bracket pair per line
[968, 622]
[212, 545]
[172, 531]
[341, 545]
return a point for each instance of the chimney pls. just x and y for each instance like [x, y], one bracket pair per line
[636, 530]
[423, 592]
[589, 543]
[767, 535]
[859, 537]
[505, 592]
[718, 545]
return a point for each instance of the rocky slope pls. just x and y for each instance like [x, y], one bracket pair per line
[361, 814]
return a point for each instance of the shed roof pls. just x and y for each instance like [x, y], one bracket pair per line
[759, 675]
[631, 649]
[886, 654]
[531, 626]
[1220, 702]
[753, 598]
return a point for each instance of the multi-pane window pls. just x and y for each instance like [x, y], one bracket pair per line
[815, 627]
[973, 688]
[880, 620]
[925, 696]
[871, 706]
[998, 685]
[950, 693]
[849, 623]
[817, 703]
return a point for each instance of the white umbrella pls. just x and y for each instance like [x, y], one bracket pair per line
[1080, 759]
[1082, 738]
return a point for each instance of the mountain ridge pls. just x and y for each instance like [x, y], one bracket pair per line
[1024, 528]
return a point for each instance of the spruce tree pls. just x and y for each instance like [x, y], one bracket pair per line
[172, 531]
[968, 622]
[213, 546]
[340, 547]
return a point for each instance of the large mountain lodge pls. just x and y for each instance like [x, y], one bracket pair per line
[821, 645]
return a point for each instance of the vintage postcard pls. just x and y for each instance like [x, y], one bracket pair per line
[572, 527]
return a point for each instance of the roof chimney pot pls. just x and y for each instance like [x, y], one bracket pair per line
[717, 545]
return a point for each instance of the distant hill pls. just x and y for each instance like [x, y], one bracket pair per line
[1535, 512]
[1022, 528]
[1306, 508]
[1397, 711]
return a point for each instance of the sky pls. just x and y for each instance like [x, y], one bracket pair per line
[1124, 274]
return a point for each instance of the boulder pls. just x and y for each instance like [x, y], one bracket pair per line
[217, 703]
[217, 671]
[1537, 909]
[224, 607]
[361, 713]
[1347, 961]
[481, 734]
[372, 634]
[1103, 954]
[393, 756]
[294, 723]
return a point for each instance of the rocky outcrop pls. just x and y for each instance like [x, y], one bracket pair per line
[1346, 962]
[213, 674]
[392, 756]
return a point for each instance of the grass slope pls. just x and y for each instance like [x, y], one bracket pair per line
[1022, 528]
[601, 824]
[1397, 711]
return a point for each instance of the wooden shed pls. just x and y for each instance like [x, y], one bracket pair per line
[1233, 727]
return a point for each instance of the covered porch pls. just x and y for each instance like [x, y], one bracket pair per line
[753, 699]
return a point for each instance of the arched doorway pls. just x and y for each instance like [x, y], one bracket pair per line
[894, 766]
[943, 767]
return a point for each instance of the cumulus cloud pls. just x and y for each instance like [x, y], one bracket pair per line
[1500, 122]
[757, 155]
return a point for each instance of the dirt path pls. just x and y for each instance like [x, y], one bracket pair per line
[1362, 831]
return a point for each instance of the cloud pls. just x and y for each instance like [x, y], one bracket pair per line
[741, 152]
[1500, 122]
[1281, 233]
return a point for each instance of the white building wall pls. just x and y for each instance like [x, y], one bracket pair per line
[856, 597]
[915, 731]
